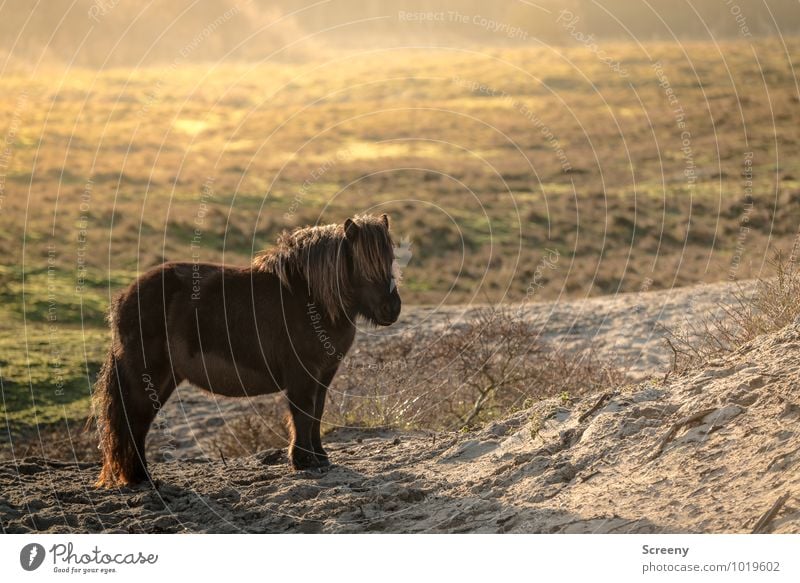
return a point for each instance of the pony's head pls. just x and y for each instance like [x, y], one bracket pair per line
[374, 275]
[347, 268]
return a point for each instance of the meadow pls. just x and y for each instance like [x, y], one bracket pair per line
[676, 168]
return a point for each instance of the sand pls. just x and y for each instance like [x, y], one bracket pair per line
[710, 451]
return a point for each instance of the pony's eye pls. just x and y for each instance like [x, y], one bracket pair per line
[392, 285]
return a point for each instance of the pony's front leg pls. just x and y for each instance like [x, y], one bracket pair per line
[320, 393]
[316, 436]
[301, 407]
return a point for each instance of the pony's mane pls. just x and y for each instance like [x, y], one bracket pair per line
[315, 255]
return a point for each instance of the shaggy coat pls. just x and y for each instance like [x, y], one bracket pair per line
[284, 323]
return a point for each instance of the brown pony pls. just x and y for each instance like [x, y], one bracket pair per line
[282, 324]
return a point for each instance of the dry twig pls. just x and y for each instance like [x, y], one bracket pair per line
[674, 429]
[604, 398]
[781, 456]
[769, 515]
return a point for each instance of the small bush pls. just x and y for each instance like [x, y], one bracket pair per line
[474, 371]
[767, 306]
[253, 432]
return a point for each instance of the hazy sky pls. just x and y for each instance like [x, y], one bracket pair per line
[125, 32]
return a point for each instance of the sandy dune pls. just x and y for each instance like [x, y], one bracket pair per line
[712, 451]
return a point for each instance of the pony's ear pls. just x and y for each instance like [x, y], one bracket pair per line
[350, 229]
[385, 219]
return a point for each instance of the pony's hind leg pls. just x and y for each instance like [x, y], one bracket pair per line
[158, 388]
[122, 410]
[125, 409]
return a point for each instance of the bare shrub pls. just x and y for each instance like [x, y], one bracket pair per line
[252, 432]
[767, 306]
[477, 370]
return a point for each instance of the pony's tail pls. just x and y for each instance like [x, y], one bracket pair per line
[122, 462]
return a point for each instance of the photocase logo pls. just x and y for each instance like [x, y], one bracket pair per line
[31, 556]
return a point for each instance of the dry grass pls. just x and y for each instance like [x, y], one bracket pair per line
[253, 432]
[766, 306]
[62, 441]
[283, 144]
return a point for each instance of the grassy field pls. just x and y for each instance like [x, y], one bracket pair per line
[679, 167]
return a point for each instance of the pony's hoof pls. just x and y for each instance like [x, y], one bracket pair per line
[312, 472]
[316, 472]
[304, 460]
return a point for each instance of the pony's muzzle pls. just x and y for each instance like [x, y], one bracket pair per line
[390, 311]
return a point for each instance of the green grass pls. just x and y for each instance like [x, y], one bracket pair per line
[48, 378]
[51, 351]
